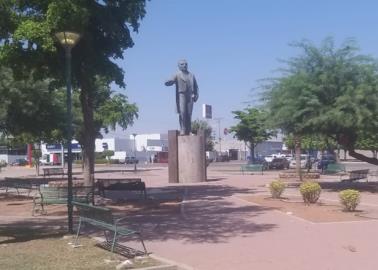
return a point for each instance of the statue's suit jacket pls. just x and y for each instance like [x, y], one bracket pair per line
[185, 85]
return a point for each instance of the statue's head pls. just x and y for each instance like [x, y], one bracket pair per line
[183, 65]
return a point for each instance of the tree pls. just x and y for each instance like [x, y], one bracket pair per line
[203, 125]
[111, 109]
[329, 91]
[108, 154]
[312, 142]
[29, 111]
[37, 154]
[290, 105]
[252, 128]
[368, 142]
[28, 47]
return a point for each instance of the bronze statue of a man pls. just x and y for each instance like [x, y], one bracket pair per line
[186, 95]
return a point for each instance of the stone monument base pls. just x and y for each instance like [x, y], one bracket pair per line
[187, 161]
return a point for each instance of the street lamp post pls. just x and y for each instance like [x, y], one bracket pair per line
[68, 40]
[135, 160]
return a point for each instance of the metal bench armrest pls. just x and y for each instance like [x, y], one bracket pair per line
[37, 198]
[117, 221]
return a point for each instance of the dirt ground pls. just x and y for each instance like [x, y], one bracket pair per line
[319, 212]
[12, 204]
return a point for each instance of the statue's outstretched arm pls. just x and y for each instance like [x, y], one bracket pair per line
[171, 81]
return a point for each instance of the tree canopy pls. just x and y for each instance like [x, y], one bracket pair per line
[327, 90]
[203, 125]
[29, 111]
[28, 46]
[252, 127]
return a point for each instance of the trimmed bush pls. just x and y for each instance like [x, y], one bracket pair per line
[101, 161]
[276, 188]
[78, 161]
[114, 161]
[310, 191]
[349, 198]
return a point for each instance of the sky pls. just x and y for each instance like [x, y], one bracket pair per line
[230, 45]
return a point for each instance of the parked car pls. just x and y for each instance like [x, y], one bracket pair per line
[131, 160]
[279, 163]
[325, 160]
[269, 158]
[304, 162]
[19, 162]
[289, 157]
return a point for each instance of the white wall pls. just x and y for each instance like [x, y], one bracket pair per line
[109, 141]
[141, 140]
[10, 158]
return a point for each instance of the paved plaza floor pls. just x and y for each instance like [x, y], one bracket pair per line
[215, 228]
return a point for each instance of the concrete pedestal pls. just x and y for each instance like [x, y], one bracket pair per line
[173, 174]
[189, 161]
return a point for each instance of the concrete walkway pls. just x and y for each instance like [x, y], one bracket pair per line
[216, 229]
[219, 230]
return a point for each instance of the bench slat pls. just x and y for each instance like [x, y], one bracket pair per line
[357, 175]
[102, 217]
[59, 195]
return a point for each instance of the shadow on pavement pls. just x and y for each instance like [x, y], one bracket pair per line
[360, 186]
[207, 215]
[204, 216]
[23, 232]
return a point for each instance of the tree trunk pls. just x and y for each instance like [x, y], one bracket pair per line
[374, 153]
[89, 132]
[297, 143]
[252, 150]
[349, 143]
[362, 157]
[338, 154]
[37, 167]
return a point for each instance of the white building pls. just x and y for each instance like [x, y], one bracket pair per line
[143, 147]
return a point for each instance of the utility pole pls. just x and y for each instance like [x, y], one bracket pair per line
[135, 159]
[218, 119]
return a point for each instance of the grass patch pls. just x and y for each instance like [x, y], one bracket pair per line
[42, 249]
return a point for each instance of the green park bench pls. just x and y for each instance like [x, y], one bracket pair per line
[252, 168]
[357, 175]
[59, 195]
[122, 184]
[20, 183]
[102, 218]
[335, 168]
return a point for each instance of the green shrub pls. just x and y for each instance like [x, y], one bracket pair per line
[276, 188]
[78, 161]
[310, 192]
[100, 155]
[101, 161]
[350, 198]
[114, 161]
